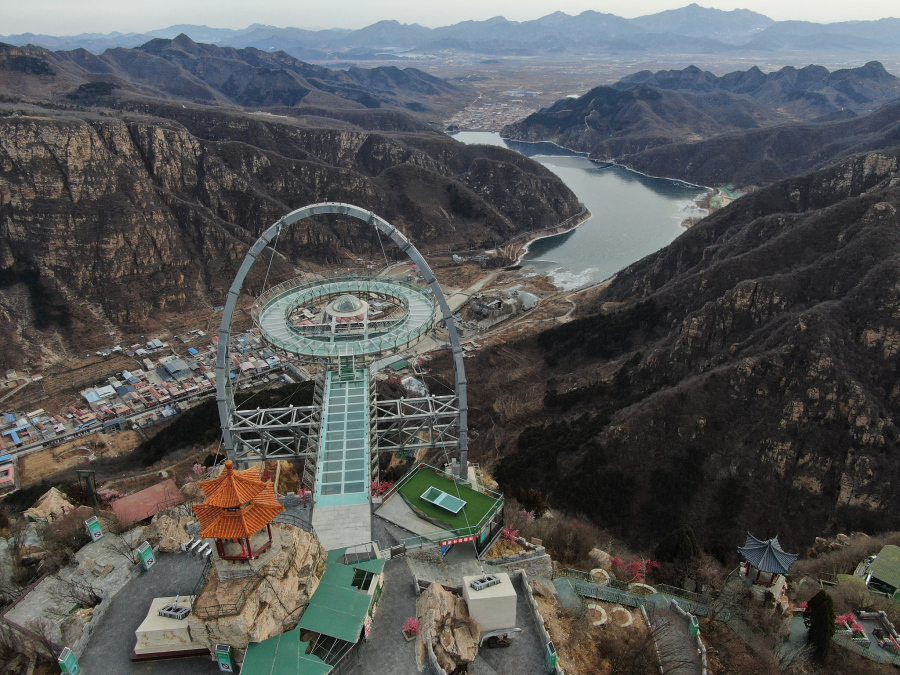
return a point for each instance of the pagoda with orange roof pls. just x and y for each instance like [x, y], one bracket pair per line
[238, 513]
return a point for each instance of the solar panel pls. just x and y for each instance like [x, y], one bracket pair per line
[442, 499]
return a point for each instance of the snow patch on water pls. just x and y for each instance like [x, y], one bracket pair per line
[562, 278]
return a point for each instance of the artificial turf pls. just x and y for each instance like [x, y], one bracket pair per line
[477, 504]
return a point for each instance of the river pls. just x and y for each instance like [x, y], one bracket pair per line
[632, 215]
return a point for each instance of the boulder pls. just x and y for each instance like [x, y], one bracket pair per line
[600, 558]
[445, 624]
[50, 506]
[542, 590]
[171, 530]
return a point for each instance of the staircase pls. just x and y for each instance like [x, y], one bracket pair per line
[346, 368]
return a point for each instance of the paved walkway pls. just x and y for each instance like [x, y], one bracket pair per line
[110, 647]
[677, 652]
[387, 652]
[338, 526]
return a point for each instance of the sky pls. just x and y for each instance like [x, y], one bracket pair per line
[69, 17]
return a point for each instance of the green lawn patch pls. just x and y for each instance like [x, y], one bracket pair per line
[477, 504]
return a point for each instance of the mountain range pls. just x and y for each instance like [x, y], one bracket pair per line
[746, 127]
[180, 68]
[690, 29]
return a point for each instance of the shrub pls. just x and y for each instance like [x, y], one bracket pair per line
[411, 627]
[509, 534]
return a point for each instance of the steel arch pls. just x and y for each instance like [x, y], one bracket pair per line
[224, 389]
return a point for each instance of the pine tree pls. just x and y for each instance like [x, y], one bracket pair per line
[680, 544]
[819, 618]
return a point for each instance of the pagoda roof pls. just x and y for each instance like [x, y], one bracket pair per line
[232, 488]
[767, 556]
[222, 516]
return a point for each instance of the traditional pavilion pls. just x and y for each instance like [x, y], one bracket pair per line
[238, 513]
[765, 562]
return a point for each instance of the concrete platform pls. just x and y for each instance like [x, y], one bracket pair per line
[395, 510]
[338, 526]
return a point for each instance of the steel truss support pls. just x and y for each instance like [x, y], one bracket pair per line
[397, 425]
[275, 433]
[414, 423]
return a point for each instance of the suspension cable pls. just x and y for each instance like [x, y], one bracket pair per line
[274, 246]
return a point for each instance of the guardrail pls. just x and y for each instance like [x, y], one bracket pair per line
[297, 284]
[434, 538]
[289, 519]
[618, 591]
[682, 593]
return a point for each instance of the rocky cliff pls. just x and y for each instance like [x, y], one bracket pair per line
[108, 218]
[745, 377]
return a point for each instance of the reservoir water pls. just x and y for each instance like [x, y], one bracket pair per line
[632, 215]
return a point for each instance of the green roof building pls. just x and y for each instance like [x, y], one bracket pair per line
[883, 574]
[337, 617]
[443, 509]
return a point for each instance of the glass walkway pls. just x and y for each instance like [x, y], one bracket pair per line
[343, 467]
[274, 307]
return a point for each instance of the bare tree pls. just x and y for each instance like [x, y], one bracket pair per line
[125, 544]
[68, 592]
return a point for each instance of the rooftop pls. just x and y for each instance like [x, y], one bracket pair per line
[767, 556]
[339, 607]
[283, 654]
[886, 566]
[147, 503]
[238, 505]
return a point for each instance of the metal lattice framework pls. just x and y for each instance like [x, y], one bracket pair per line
[405, 424]
[414, 423]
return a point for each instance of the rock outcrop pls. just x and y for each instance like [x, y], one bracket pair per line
[170, 530]
[445, 624]
[251, 610]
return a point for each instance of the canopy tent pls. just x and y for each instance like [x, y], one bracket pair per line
[767, 556]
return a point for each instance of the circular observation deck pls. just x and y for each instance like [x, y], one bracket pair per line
[346, 326]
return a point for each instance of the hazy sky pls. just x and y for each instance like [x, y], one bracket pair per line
[67, 17]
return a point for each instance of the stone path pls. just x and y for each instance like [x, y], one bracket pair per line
[677, 652]
[110, 647]
[338, 526]
[387, 652]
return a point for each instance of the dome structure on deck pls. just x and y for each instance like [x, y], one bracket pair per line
[347, 307]
[348, 304]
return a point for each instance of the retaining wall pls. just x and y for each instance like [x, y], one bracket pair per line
[525, 588]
